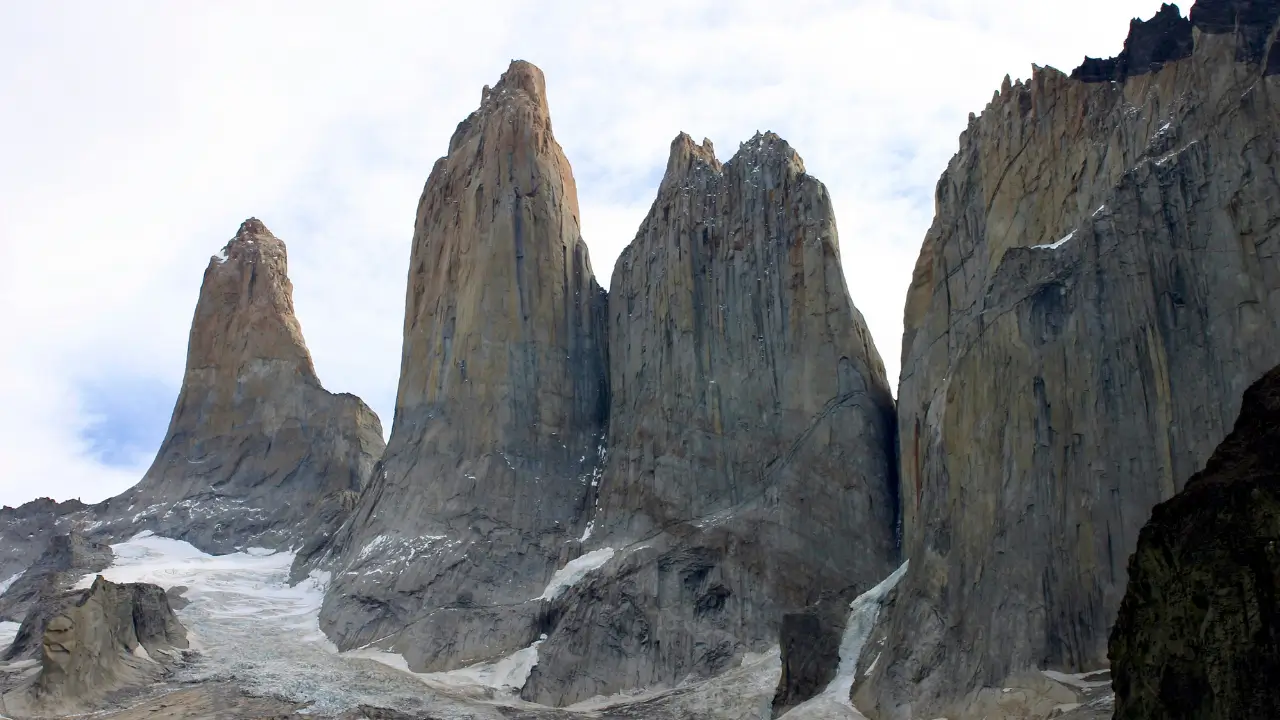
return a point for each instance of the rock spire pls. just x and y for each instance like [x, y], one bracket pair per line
[502, 402]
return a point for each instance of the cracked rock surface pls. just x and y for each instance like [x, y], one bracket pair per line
[750, 454]
[1100, 285]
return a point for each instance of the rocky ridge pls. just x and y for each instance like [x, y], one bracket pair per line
[1098, 288]
[501, 408]
[257, 452]
[1198, 632]
[750, 454]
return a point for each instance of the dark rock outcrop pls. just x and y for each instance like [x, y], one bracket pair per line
[65, 560]
[1252, 22]
[809, 641]
[501, 407]
[257, 452]
[751, 440]
[1164, 38]
[1100, 285]
[95, 643]
[1198, 632]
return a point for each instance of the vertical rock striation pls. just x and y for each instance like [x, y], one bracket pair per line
[1198, 633]
[257, 452]
[750, 462]
[1100, 284]
[502, 401]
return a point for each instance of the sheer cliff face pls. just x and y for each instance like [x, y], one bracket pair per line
[257, 452]
[1198, 633]
[750, 454]
[1097, 290]
[502, 401]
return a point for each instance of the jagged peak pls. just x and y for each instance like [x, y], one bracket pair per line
[686, 157]
[1168, 37]
[766, 145]
[1165, 38]
[251, 241]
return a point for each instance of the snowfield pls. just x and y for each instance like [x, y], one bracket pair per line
[573, 572]
[253, 630]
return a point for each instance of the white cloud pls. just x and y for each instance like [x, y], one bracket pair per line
[135, 137]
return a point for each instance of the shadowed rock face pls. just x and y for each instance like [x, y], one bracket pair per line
[1168, 37]
[1098, 288]
[1162, 39]
[66, 559]
[1198, 633]
[1251, 22]
[501, 407]
[750, 456]
[25, 532]
[257, 452]
[94, 643]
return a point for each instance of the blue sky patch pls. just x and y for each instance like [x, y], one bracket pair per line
[130, 416]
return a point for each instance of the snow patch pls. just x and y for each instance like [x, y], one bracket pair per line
[142, 654]
[1101, 209]
[4, 586]
[587, 533]
[508, 674]
[1079, 680]
[572, 573]
[1055, 246]
[834, 701]
[8, 631]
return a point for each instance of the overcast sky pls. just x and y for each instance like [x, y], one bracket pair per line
[135, 137]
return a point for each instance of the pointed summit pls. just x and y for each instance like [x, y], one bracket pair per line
[501, 407]
[257, 452]
[245, 311]
[518, 100]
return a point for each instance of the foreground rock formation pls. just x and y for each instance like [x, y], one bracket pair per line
[95, 643]
[750, 454]
[501, 408]
[257, 453]
[1198, 633]
[1097, 290]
